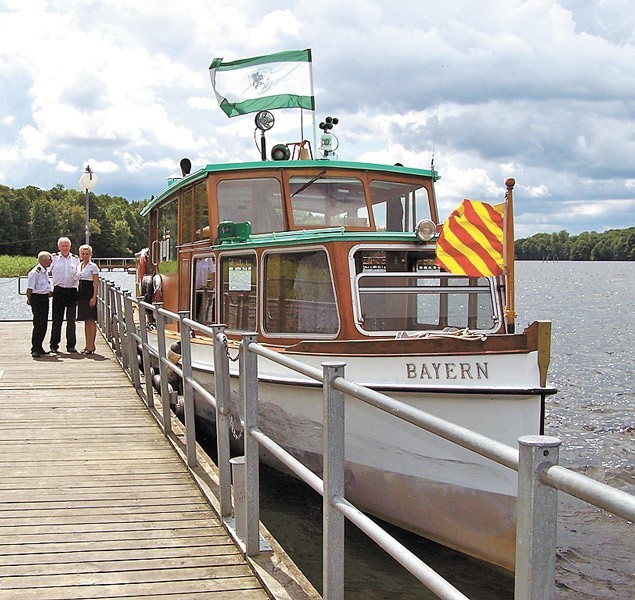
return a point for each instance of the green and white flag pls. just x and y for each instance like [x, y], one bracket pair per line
[281, 80]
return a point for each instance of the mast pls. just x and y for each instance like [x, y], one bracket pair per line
[510, 309]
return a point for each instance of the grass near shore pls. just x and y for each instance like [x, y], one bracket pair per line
[14, 266]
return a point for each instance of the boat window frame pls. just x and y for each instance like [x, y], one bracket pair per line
[347, 176]
[157, 245]
[498, 317]
[220, 256]
[192, 300]
[263, 270]
[264, 176]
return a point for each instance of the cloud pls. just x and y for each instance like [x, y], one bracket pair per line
[540, 90]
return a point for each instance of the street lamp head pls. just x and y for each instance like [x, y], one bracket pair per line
[88, 180]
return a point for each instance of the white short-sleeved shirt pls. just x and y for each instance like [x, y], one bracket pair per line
[38, 280]
[86, 273]
[64, 270]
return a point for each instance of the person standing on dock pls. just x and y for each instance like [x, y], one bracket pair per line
[38, 292]
[88, 275]
[65, 283]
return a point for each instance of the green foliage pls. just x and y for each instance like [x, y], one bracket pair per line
[614, 244]
[32, 219]
[14, 266]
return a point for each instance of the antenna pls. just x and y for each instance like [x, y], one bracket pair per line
[436, 119]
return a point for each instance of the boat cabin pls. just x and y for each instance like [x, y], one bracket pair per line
[299, 250]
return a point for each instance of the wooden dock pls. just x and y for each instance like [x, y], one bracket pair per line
[94, 500]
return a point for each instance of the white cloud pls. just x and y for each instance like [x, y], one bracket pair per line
[538, 90]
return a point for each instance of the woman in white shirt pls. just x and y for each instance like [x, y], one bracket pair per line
[88, 274]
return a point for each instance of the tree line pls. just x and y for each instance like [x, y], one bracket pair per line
[614, 244]
[32, 219]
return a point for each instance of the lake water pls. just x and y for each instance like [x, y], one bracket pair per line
[593, 362]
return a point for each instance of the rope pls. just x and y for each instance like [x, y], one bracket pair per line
[463, 334]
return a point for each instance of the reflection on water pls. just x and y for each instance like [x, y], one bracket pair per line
[592, 366]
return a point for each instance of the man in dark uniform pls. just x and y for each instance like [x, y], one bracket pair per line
[65, 283]
[37, 297]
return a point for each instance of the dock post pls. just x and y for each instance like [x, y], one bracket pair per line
[249, 377]
[536, 519]
[333, 476]
[188, 390]
[223, 401]
[163, 370]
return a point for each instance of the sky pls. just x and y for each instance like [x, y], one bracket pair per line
[539, 90]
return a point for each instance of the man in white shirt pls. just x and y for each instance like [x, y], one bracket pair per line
[38, 291]
[65, 283]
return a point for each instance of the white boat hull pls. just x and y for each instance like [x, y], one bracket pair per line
[396, 471]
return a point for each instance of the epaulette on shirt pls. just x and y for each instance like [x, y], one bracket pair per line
[39, 269]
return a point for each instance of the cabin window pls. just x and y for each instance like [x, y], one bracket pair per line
[238, 291]
[423, 301]
[258, 201]
[168, 227]
[398, 206]
[299, 296]
[322, 201]
[204, 272]
[187, 217]
[201, 212]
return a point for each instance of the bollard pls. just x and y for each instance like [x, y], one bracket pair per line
[238, 480]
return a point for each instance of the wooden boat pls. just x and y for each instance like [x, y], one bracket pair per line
[335, 260]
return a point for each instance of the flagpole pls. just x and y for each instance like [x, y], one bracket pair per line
[510, 309]
[314, 149]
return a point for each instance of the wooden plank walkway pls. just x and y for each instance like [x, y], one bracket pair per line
[94, 501]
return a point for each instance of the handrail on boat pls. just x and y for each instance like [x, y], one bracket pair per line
[536, 459]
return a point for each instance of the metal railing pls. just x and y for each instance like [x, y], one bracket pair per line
[536, 459]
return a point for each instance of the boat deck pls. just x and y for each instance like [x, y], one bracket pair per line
[94, 500]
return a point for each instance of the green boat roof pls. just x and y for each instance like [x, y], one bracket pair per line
[178, 183]
[312, 236]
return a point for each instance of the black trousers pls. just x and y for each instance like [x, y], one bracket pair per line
[64, 301]
[40, 310]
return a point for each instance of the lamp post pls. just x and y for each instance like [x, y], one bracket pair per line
[87, 182]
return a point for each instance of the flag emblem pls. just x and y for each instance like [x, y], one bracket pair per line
[471, 242]
[260, 80]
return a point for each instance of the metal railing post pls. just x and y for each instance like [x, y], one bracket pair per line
[100, 304]
[249, 377]
[123, 327]
[131, 345]
[188, 390]
[118, 311]
[536, 514]
[145, 354]
[222, 391]
[333, 476]
[163, 370]
[108, 312]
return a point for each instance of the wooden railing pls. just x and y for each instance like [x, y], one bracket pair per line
[112, 264]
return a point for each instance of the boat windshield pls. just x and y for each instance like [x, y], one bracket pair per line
[399, 291]
[328, 202]
[398, 206]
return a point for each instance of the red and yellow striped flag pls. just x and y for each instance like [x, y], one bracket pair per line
[471, 242]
